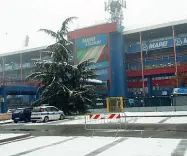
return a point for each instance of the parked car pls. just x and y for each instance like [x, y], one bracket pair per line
[10, 110]
[46, 113]
[22, 114]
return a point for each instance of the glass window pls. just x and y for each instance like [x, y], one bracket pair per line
[157, 87]
[54, 109]
[146, 89]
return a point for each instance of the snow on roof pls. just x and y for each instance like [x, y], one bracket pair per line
[24, 50]
[94, 81]
[163, 25]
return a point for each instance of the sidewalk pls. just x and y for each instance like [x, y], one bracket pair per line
[155, 114]
[143, 114]
[100, 146]
[5, 137]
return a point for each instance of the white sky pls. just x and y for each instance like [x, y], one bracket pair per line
[21, 17]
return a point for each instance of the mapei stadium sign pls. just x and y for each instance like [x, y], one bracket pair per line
[92, 41]
[163, 43]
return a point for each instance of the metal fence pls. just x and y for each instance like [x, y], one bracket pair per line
[142, 102]
[105, 122]
[150, 101]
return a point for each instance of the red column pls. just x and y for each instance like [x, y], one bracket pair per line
[175, 54]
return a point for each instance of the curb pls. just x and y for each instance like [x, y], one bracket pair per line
[15, 138]
[4, 123]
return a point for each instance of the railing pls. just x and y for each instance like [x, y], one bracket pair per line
[104, 122]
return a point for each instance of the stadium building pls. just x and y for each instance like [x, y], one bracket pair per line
[140, 62]
[134, 62]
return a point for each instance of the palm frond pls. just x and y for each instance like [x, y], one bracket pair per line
[64, 27]
[49, 32]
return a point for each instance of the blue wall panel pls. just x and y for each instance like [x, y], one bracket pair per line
[118, 83]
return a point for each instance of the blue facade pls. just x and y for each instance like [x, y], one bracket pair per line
[118, 83]
[16, 90]
[159, 44]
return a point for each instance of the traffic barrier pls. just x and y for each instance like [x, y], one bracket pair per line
[104, 122]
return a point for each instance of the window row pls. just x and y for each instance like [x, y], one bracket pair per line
[137, 90]
[155, 57]
[154, 66]
[138, 79]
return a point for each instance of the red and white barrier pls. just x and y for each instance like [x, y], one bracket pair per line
[95, 116]
[100, 122]
[114, 116]
[99, 116]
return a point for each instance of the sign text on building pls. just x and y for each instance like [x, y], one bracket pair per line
[158, 44]
[92, 41]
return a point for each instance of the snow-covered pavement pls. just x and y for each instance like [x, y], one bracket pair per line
[153, 120]
[171, 113]
[7, 136]
[138, 120]
[100, 146]
[131, 117]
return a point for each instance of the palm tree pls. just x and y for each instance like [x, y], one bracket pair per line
[64, 84]
[60, 50]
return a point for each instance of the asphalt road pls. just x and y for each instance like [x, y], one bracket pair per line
[131, 130]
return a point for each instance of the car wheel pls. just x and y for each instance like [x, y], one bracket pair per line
[33, 121]
[46, 119]
[15, 121]
[61, 117]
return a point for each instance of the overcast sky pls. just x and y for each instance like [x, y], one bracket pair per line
[22, 17]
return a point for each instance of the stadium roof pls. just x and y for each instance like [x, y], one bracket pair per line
[169, 24]
[24, 50]
[182, 24]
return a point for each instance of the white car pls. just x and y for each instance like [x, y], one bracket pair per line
[46, 113]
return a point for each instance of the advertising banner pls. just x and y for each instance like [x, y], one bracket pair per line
[93, 47]
[180, 91]
[158, 44]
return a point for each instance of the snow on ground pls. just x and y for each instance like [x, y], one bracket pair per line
[6, 121]
[70, 122]
[154, 113]
[91, 146]
[138, 117]
[153, 120]
[143, 147]
[24, 145]
[176, 120]
[9, 135]
[145, 119]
